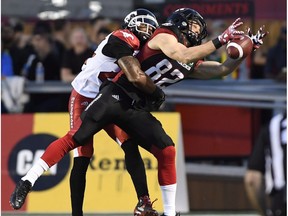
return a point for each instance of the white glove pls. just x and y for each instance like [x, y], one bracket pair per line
[257, 39]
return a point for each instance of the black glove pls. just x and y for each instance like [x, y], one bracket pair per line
[151, 102]
[156, 99]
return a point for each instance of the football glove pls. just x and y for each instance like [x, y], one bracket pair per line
[231, 32]
[156, 99]
[257, 39]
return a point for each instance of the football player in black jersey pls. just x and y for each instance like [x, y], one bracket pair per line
[130, 110]
[173, 53]
[114, 53]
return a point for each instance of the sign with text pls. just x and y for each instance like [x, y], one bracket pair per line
[109, 187]
[210, 9]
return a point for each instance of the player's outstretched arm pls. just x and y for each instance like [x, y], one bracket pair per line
[212, 69]
[169, 45]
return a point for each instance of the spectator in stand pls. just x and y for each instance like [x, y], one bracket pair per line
[13, 97]
[41, 66]
[45, 53]
[61, 34]
[102, 33]
[6, 63]
[76, 56]
[276, 64]
[20, 48]
[96, 24]
[6, 59]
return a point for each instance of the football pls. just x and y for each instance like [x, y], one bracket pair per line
[239, 47]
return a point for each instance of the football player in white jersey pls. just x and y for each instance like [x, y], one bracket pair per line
[121, 45]
[128, 112]
[114, 53]
[174, 52]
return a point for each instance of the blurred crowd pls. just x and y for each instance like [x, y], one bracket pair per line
[55, 50]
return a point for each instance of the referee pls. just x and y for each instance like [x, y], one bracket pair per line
[266, 173]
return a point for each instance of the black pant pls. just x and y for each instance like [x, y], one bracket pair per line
[279, 202]
[113, 106]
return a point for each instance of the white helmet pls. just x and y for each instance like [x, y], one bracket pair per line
[137, 17]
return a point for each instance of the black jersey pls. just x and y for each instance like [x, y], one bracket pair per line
[163, 70]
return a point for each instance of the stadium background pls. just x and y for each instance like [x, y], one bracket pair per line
[215, 156]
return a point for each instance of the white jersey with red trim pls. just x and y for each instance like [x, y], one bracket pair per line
[102, 66]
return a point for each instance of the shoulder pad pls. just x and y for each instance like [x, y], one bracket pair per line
[128, 37]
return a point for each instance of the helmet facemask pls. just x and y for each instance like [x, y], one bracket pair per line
[137, 23]
[141, 22]
[193, 37]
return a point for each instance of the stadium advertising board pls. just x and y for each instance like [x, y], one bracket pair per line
[108, 188]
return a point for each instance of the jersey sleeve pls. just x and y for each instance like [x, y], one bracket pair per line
[119, 45]
[128, 37]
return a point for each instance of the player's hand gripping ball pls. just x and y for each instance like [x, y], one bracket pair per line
[239, 47]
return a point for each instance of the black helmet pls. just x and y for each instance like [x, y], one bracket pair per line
[137, 17]
[181, 19]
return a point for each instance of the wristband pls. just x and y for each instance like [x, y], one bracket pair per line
[217, 43]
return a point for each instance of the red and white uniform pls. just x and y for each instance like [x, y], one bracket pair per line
[102, 65]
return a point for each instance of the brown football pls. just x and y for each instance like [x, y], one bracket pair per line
[239, 47]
